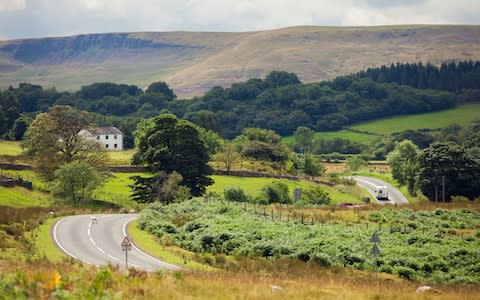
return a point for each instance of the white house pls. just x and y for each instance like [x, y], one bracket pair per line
[109, 137]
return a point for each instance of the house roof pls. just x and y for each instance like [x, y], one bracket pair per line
[104, 130]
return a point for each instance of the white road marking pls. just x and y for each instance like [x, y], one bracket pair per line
[174, 267]
[95, 244]
[60, 245]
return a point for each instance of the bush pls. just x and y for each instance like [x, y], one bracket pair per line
[235, 194]
[316, 195]
[276, 192]
[322, 259]
[405, 272]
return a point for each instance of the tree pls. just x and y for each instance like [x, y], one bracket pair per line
[354, 163]
[211, 139]
[228, 155]
[404, 163]
[20, 126]
[304, 138]
[75, 182]
[164, 188]
[9, 111]
[53, 139]
[161, 88]
[168, 144]
[263, 144]
[315, 195]
[450, 164]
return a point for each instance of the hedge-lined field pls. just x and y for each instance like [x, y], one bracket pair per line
[461, 115]
[440, 246]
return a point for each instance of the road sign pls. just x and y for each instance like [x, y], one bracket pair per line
[375, 238]
[126, 244]
[375, 249]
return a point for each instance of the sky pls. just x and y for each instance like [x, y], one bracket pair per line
[42, 18]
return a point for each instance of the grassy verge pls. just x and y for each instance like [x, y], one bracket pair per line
[177, 256]
[44, 244]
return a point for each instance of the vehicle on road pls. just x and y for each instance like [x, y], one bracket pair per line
[381, 192]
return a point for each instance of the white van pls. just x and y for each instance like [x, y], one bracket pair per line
[381, 192]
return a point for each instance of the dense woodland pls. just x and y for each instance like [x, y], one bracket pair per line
[453, 77]
[279, 102]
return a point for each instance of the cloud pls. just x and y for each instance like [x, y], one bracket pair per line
[40, 18]
[9, 5]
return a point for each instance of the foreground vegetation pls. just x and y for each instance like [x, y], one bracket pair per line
[439, 246]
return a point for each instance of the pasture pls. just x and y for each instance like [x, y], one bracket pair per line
[253, 185]
[343, 134]
[461, 115]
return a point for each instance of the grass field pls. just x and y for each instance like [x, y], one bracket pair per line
[116, 189]
[252, 186]
[120, 158]
[461, 115]
[343, 134]
[21, 197]
[10, 148]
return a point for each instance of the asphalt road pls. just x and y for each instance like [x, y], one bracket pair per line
[99, 243]
[369, 183]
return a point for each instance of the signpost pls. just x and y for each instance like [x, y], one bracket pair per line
[126, 246]
[297, 194]
[375, 250]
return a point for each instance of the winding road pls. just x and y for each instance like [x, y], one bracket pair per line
[97, 239]
[369, 183]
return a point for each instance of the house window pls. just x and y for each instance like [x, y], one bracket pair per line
[98, 137]
[114, 136]
[106, 137]
[115, 146]
[106, 145]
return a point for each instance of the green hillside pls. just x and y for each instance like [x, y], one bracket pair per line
[461, 115]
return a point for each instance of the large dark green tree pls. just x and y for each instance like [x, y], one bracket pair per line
[168, 144]
[451, 164]
[9, 111]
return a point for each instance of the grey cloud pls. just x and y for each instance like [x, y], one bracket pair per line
[41, 18]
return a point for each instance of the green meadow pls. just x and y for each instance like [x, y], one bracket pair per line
[330, 135]
[253, 185]
[461, 115]
[10, 148]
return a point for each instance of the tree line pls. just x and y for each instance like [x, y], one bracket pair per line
[451, 76]
[278, 102]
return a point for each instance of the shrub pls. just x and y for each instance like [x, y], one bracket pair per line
[405, 272]
[316, 195]
[235, 194]
[322, 259]
[386, 269]
[276, 192]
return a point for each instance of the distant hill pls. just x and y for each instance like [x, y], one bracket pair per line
[193, 62]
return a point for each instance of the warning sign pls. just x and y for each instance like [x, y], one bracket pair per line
[126, 244]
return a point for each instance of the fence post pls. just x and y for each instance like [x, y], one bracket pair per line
[272, 214]
[302, 219]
